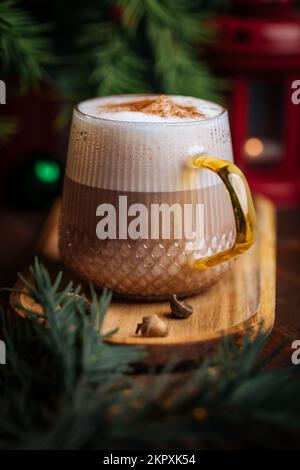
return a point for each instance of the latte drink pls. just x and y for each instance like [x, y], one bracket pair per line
[136, 216]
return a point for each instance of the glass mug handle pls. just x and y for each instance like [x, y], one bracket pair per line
[242, 205]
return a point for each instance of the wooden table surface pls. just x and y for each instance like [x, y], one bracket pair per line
[20, 232]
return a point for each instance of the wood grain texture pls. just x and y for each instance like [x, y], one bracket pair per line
[243, 300]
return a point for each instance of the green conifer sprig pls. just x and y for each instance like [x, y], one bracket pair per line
[8, 127]
[24, 50]
[150, 46]
[65, 387]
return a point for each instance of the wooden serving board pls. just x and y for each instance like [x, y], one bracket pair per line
[243, 300]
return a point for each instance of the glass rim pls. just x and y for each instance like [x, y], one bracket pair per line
[223, 111]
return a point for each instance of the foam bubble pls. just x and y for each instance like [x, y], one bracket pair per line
[107, 108]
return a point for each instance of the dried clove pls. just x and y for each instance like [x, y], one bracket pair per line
[180, 309]
[153, 326]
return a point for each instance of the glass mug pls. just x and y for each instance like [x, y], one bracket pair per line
[131, 190]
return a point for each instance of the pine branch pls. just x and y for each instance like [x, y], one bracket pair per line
[149, 46]
[176, 42]
[116, 66]
[55, 363]
[23, 45]
[8, 128]
[65, 387]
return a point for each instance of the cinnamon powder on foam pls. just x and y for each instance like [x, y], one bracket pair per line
[161, 106]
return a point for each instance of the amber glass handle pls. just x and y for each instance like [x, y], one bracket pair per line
[242, 205]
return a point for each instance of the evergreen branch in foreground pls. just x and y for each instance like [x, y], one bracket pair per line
[64, 387]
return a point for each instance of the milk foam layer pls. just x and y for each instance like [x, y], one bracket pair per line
[169, 109]
[146, 156]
